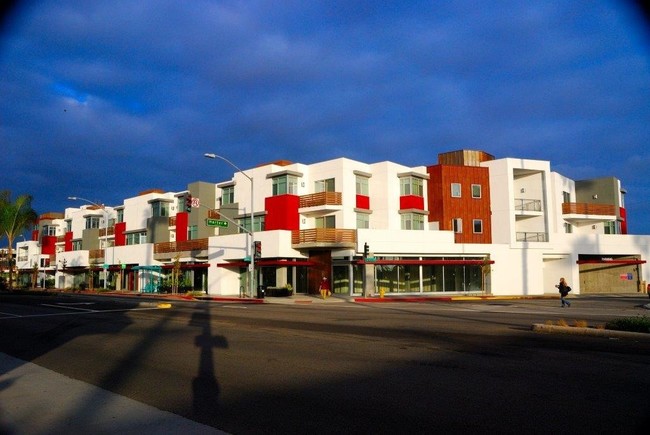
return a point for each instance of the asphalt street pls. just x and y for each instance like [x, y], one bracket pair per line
[298, 365]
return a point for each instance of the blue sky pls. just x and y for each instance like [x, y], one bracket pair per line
[104, 99]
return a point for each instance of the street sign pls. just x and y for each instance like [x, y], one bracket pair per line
[216, 223]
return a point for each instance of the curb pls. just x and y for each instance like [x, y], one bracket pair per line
[447, 298]
[593, 332]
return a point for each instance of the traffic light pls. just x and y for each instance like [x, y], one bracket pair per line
[366, 250]
[188, 203]
[258, 249]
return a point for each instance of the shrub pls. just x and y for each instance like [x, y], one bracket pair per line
[630, 324]
[581, 324]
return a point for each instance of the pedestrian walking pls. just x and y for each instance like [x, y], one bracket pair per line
[564, 290]
[324, 288]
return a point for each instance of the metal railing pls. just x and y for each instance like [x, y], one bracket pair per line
[531, 237]
[522, 204]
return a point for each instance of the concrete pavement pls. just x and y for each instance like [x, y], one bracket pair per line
[35, 400]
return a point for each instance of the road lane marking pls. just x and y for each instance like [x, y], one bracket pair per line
[16, 316]
[67, 307]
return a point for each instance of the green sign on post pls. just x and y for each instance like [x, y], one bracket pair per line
[216, 223]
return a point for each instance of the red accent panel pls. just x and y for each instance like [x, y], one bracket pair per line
[623, 214]
[120, 237]
[67, 239]
[182, 221]
[282, 212]
[411, 201]
[35, 236]
[363, 202]
[48, 245]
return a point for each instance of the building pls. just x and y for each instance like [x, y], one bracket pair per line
[468, 223]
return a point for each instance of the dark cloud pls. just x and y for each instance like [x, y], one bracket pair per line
[104, 99]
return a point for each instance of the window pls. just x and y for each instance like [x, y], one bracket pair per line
[455, 190]
[246, 223]
[362, 186]
[49, 230]
[136, 238]
[68, 226]
[568, 228]
[285, 184]
[228, 195]
[566, 197]
[477, 224]
[476, 190]
[457, 225]
[411, 186]
[76, 245]
[160, 208]
[324, 186]
[92, 222]
[192, 232]
[120, 215]
[363, 220]
[326, 222]
[412, 221]
[611, 227]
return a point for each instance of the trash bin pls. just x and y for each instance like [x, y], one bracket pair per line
[260, 291]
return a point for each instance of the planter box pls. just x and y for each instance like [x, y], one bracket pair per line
[278, 292]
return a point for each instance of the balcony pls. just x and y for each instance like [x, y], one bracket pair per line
[527, 207]
[103, 231]
[531, 236]
[167, 250]
[578, 213]
[324, 238]
[320, 203]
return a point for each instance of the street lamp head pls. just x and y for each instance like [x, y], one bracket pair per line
[73, 198]
[210, 155]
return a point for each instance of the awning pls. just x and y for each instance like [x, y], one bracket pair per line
[458, 262]
[268, 263]
[603, 261]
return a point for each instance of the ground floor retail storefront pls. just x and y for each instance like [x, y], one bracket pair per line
[401, 275]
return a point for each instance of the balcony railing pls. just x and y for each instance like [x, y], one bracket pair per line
[324, 235]
[102, 231]
[94, 254]
[320, 198]
[187, 245]
[522, 204]
[585, 208]
[531, 237]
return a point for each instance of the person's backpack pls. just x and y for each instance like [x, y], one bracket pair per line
[568, 289]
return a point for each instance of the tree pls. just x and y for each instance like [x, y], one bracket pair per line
[15, 217]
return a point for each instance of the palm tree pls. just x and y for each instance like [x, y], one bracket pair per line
[15, 217]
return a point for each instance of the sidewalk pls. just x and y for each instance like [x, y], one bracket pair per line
[35, 400]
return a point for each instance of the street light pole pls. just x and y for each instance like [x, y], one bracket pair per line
[103, 207]
[251, 270]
